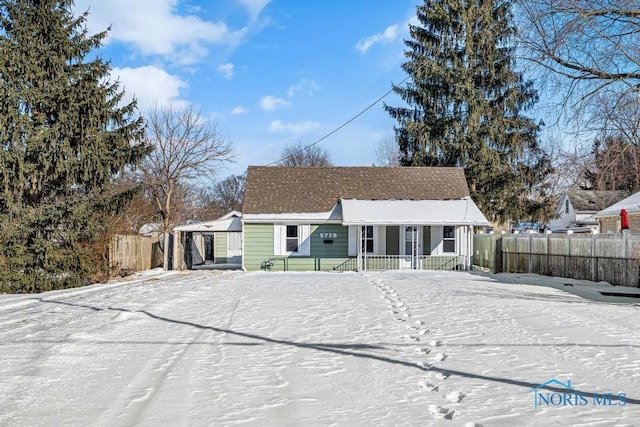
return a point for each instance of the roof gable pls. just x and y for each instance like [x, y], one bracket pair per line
[279, 189]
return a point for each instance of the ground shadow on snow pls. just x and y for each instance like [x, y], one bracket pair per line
[342, 349]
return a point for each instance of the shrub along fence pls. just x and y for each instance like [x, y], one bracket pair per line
[134, 253]
[613, 258]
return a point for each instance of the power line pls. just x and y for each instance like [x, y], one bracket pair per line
[339, 127]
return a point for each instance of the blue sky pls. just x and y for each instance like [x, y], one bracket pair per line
[269, 72]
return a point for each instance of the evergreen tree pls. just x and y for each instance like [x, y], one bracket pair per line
[464, 107]
[63, 137]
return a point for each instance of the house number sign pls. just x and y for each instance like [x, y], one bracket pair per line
[328, 235]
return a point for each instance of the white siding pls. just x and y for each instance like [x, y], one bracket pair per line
[353, 240]
[304, 242]
[279, 239]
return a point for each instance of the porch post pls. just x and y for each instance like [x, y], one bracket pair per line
[416, 255]
[359, 248]
[470, 248]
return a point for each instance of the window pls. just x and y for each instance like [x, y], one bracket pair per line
[292, 238]
[566, 206]
[367, 239]
[449, 239]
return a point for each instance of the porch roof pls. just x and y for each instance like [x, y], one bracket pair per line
[228, 222]
[424, 212]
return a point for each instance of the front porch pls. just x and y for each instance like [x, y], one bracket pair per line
[415, 247]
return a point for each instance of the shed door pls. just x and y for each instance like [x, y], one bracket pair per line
[234, 248]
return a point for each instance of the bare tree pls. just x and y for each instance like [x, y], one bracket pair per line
[570, 168]
[593, 46]
[229, 193]
[299, 155]
[388, 153]
[186, 147]
[618, 117]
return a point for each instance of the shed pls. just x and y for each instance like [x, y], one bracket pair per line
[217, 242]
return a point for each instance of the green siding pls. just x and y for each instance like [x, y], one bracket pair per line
[220, 248]
[339, 246]
[393, 240]
[258, 247]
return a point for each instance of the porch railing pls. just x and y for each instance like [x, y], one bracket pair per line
[403, 262]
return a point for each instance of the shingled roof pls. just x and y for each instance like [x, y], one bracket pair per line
[593, 200]
[279, 189]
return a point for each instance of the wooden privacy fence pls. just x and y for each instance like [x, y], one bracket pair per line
[136, 253]
[613, 258]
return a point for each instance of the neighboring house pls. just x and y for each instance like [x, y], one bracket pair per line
[576, 209]
[352, 218]
[610, 219]
[211, 242]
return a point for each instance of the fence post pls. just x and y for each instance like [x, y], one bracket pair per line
[567, 255]
[548, 270]
[594, 269]
[625, 269]
[530, 252]
[497, 254]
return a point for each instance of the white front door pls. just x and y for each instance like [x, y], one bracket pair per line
[411, 247]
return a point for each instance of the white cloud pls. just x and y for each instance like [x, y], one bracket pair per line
[270, 103]
[254, 7]
[308, 87]
[390, 34]
[226, 70]
[297, 128]
[239, 110]
[150, 85]
[154, 27]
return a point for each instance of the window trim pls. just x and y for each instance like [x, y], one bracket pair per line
[448, 239]
[366, 239]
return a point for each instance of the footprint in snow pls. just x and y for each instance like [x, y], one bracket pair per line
[440, 357]
[443, 375]
[441, 412]
[423, 350]
[435, 343]
[456, 396]
[427, 385]
[426, 365]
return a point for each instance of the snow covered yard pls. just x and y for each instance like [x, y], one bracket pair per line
[392, 348]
